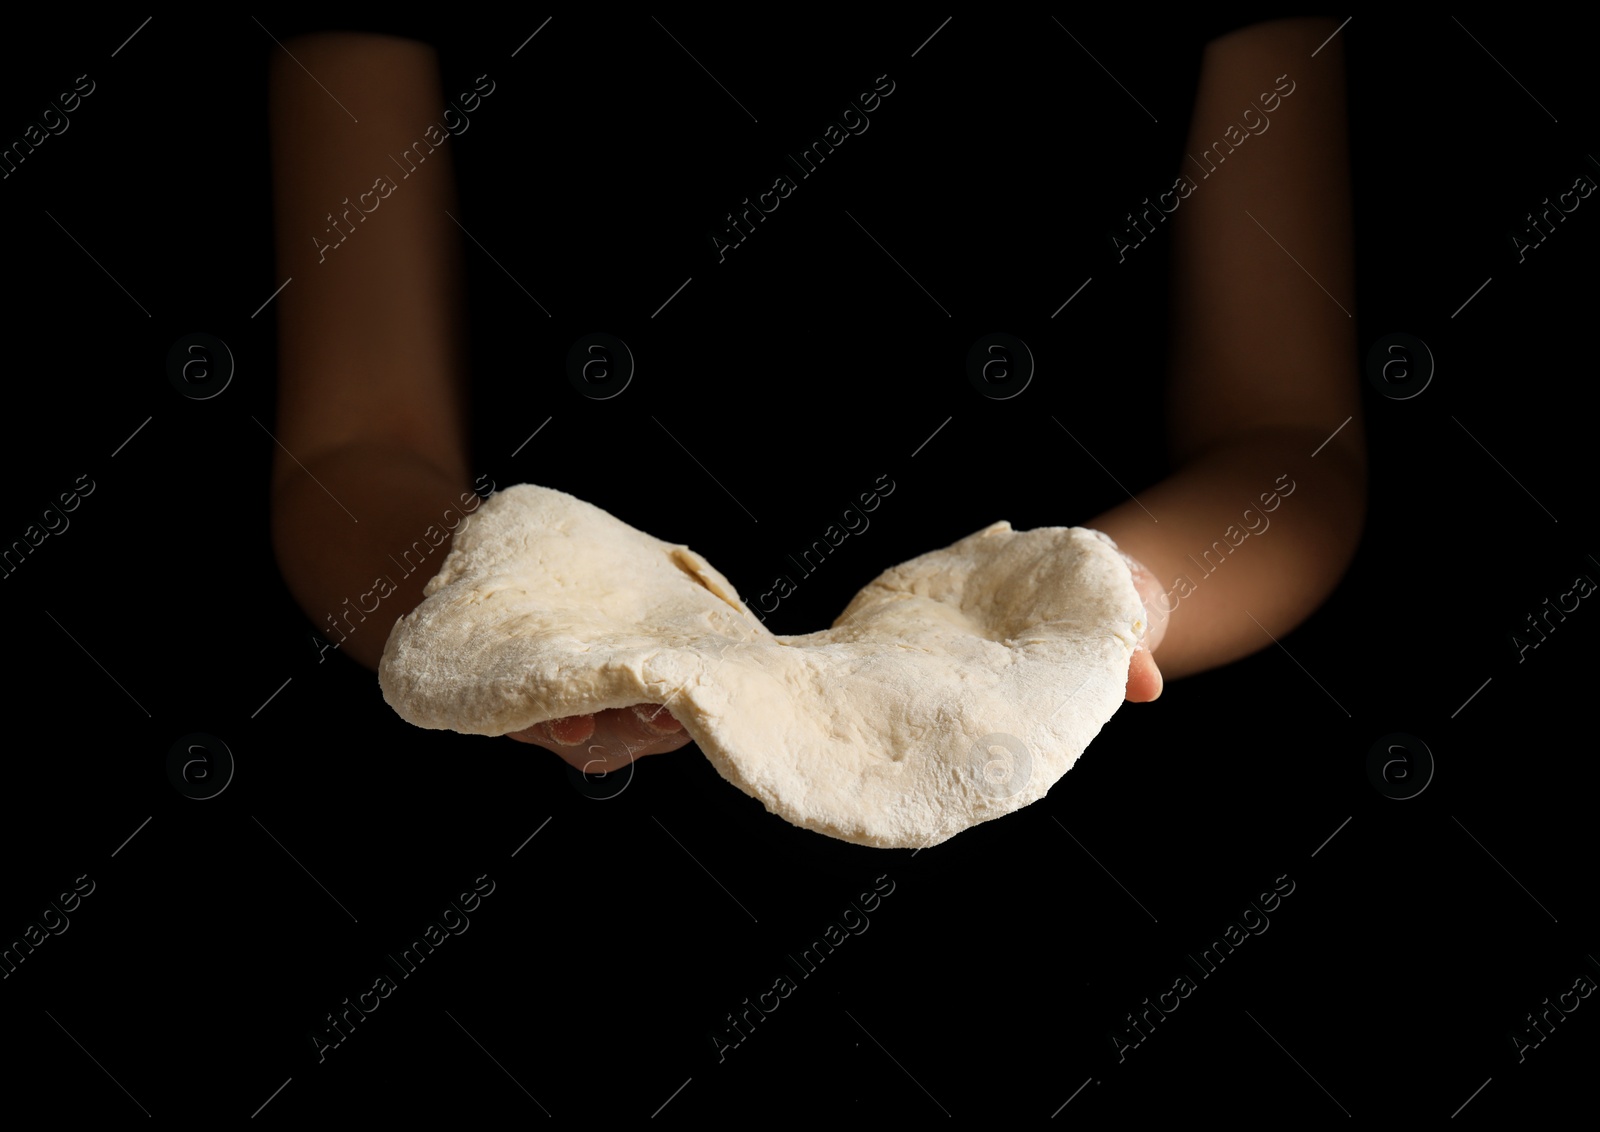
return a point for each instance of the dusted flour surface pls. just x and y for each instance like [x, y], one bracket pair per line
[956, 688]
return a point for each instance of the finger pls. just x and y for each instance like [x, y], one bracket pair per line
[1157, 603]
[602, 753]
[649, 721]
[1144, 677]
[620, 738]
[568, 734]
[572, 730]
[605, 741]
[644, 729]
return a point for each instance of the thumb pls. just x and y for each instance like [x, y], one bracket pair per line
[1145, 681]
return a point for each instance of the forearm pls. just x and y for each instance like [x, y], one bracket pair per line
[1225, 554]
[1264, 369]
[370, 330]
[1263, 260]
[354, 573]
[370, 468]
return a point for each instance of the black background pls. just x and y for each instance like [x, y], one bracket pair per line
[798, 372]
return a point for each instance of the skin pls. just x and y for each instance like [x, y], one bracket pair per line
[1264, 365]
[372, 384]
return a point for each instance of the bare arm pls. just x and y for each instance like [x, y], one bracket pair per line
[371, 398]
[1264, 364]
[371, 474]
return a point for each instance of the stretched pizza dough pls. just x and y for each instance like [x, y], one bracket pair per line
[956, 688]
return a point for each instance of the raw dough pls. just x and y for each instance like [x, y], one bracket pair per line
[956, 687]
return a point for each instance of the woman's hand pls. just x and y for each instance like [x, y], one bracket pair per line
[608, 740]
[1144, 678]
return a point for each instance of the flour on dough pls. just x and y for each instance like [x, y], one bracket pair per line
[955, 688]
